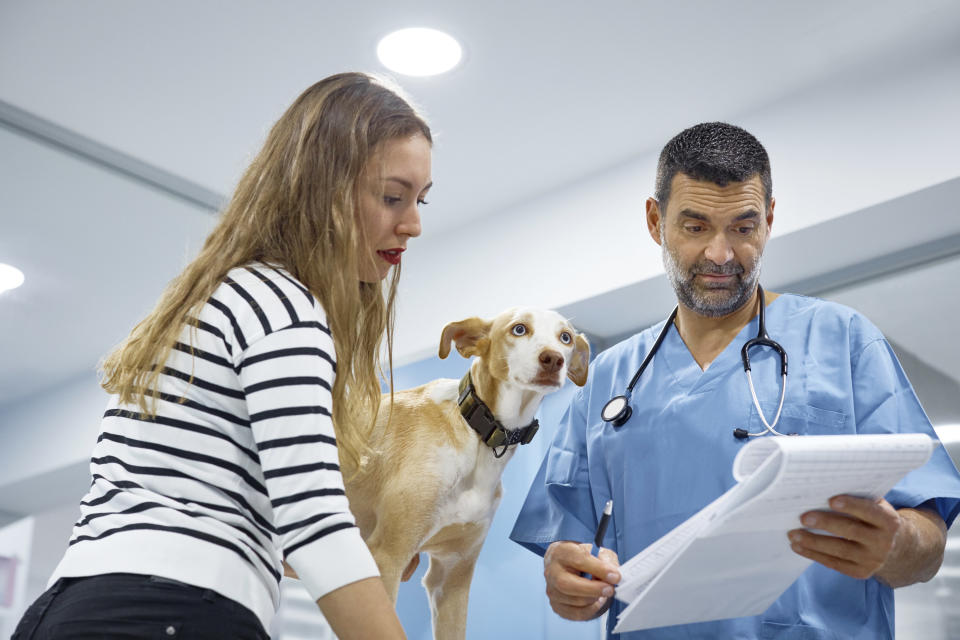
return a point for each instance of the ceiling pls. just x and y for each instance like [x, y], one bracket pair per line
[561, 89]
[549, 94]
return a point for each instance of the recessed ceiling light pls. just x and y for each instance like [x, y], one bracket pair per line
[419, 51]
[10, 277]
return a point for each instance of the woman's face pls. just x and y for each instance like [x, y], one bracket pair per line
[392, 187]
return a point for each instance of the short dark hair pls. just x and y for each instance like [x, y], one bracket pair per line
[716, 152]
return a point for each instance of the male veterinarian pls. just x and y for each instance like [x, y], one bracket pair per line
[712, 216]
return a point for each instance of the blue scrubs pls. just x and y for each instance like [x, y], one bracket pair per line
[675, 454]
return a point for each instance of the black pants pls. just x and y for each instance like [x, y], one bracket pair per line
[125, 606]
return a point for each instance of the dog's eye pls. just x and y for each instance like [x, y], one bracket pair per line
[519, 329]
[565, 337]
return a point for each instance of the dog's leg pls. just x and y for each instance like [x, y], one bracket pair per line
[392, 551]
[402, 526]
[447, 582]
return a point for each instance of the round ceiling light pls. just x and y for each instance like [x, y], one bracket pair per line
[419, 52]
[10, 277]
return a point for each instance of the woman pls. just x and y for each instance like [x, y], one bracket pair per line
[219, 464]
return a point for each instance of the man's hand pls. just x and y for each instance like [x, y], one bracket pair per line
[572, 596]
[872, 539]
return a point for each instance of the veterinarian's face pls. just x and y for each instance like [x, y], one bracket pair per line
[712, 239]
[391, 189]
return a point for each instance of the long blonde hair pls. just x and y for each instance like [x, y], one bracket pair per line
[295, 206]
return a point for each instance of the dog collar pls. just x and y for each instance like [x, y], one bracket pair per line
[480, 418]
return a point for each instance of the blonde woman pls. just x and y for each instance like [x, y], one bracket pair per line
[216, 462]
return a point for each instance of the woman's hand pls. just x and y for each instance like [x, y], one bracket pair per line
[362, 610]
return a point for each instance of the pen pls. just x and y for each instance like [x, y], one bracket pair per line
[601, 531]
[602, 527]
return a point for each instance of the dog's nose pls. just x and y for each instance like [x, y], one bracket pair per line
[550, 361]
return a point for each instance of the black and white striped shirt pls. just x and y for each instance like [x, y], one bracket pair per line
[218, 488]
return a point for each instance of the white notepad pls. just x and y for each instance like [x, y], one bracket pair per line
[733, 557]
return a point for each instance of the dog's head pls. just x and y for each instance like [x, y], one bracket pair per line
[530, 348]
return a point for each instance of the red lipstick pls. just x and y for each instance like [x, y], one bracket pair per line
[391, 255]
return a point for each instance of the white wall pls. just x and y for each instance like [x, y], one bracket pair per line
[50, 430]
[15, 543]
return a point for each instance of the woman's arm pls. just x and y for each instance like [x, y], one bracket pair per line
[361, 610]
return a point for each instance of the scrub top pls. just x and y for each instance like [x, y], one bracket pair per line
[675, 454]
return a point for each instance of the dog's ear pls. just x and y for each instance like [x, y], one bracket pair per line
[579, 361]
[470, 336]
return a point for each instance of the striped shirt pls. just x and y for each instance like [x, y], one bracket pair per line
[219, 487]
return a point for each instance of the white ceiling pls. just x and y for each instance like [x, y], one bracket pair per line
[550, 91]
[549, 94]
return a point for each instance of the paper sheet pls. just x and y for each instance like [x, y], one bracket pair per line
[733, 557]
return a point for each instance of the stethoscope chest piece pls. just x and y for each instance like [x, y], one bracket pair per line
[617, 411]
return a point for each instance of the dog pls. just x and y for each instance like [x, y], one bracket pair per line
[432, 483]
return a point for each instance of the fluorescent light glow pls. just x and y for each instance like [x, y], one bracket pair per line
[948, 433]
[10, 277]
[419, 52]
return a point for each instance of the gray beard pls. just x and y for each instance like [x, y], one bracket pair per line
[712, 303]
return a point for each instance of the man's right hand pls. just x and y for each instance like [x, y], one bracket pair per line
[571, 595]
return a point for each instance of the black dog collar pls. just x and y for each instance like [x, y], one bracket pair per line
[480, 418]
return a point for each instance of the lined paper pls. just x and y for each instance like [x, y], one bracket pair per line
[733, 558]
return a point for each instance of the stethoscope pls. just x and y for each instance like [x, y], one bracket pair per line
[618, 410]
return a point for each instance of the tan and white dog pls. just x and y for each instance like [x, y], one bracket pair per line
[433, 483]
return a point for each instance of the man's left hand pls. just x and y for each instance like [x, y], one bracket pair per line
[872, 539]
[864, 532]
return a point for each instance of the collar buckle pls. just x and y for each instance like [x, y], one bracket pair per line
[481, 419]
[497, 437]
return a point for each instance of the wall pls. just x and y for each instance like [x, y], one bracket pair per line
[50, 430]
[15, 544]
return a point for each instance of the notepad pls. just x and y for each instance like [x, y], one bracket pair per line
[733, 558]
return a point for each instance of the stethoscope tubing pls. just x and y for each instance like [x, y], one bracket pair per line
[617, 410]
[653, 350]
